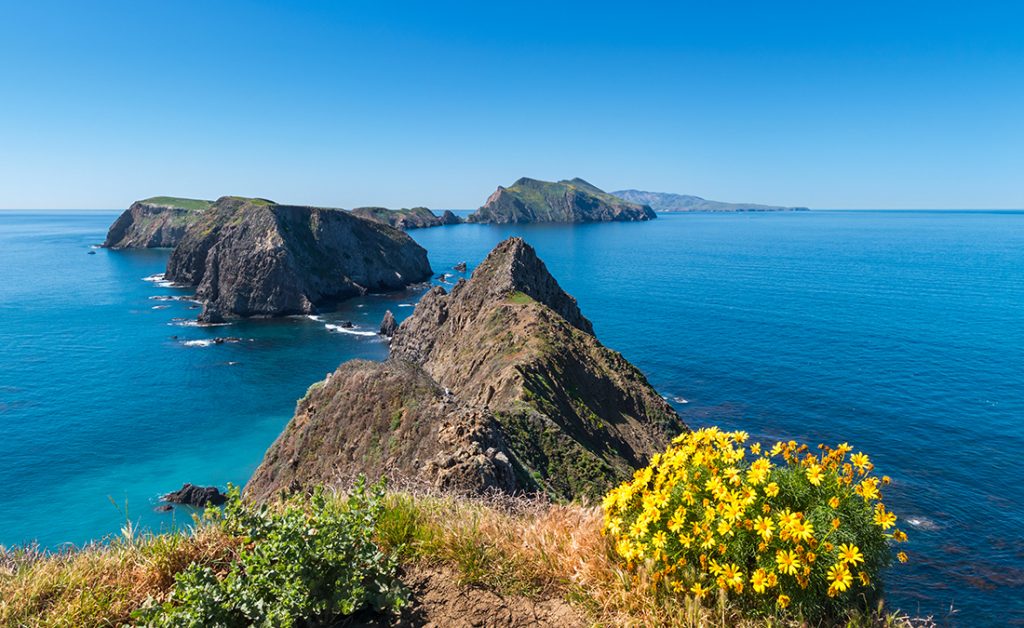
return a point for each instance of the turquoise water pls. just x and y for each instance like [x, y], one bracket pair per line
[900, 332]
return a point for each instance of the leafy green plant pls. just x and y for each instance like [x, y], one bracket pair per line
[305, 561]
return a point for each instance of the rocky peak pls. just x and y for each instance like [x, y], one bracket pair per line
[513, 267]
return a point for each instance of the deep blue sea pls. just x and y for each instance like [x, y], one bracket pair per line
[900, 332]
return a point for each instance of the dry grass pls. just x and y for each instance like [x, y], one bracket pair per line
[100, 585]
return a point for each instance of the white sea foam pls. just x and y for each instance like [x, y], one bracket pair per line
[154, 278]
[197, 343]
[194, 323]
[160, 307]
[922, 523]
[679, 400]
[314, 317]
[405, 305]
[349, 330]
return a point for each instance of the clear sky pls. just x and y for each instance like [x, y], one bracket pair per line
[826, 104]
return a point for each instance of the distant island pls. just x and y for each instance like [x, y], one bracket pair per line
[569, 201]
[665, 202]
[415, 218]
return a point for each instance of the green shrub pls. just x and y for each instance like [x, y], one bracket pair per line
[779, 532]
[306, 561]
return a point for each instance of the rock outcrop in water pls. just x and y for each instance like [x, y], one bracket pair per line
[198, 496]
[664, 202]
[253, 257]
[155, 222]
[530, 200]
[405, 219]
[499, 384]
[388, 326]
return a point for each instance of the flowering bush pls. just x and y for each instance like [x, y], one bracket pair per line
[777, 530]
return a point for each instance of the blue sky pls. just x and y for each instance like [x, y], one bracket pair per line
[830, 105]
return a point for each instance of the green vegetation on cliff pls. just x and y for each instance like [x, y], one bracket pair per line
[531, 200]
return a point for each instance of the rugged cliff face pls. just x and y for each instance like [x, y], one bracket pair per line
[505, 384]
[530, 200]
[160, 221]
[405, 219]
[253, 257]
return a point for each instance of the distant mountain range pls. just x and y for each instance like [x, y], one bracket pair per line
[667, 202]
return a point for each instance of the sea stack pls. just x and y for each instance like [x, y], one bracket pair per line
[530, 200]
[253, 257]
[499, 384]
[155, 222]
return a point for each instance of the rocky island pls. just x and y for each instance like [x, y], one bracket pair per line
[499, 384]
[530, 200]
[405, 219]
[155, 222]
[253, 257]
[664, 202]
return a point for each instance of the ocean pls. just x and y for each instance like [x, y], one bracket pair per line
[901, 332]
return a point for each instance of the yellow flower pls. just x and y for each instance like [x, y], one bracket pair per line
[759, 580]
[834, 502]
[764, 527]
[732, 575]
[860, 460]
[755, 449]
[787, 561]
[659, 539]
[902, 556]
[840, 577]
[772, 579]
[678, 520]
[884, 519]
[814, 474]
[771, 489]
[864, 578]
[724, 527]
[698, 590]
[868, 489]
[801, 530]
[850, 554]
[783, 601]
[836, 523]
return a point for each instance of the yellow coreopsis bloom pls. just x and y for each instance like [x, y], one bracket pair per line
[698, 590]
[787, 561]
[884, 519]
[801, 530]
[732, 575]
[868, 489]
[833, 502]
[840, 577]
[783, 601]
[759, 580]
[814, 474]
[771, 489]
[860, 460]
[764, 527]
[902, 556]
[659, 539]
[850, 554]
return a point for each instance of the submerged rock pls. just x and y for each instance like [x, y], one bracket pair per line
[253, 257]
[460, 267]
[529, 200]
[499, 384]
[388, 326]
[155, 222]
[198, 496]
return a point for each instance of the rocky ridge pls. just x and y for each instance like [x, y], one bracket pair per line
[569, 201]
[405, 219]
[155, 222]
[499, 384]
[253, 257]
